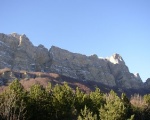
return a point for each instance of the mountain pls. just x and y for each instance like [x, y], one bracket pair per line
[19, 54]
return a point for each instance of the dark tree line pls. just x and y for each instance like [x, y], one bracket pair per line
[60, 102]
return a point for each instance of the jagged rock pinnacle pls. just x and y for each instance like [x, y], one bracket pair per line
[116, 59]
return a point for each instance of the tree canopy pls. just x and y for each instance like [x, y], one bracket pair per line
[61, 102]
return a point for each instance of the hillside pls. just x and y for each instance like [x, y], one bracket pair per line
[26, 61]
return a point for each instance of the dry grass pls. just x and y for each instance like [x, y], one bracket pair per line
[5, 70]
[28, 83]
[41, 78]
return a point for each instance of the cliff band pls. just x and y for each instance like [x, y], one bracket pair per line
[18, 53]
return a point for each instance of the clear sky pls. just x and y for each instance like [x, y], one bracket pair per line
[101, 27]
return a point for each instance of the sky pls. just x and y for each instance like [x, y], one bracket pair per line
[101, 27]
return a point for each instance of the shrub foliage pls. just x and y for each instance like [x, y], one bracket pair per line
[61, 102]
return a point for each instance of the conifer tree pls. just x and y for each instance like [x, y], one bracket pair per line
[147, 99]
[96, 101]
[79, 100]
[39, 103]
[114, 109]
[86, 114]
[146, 110]
[63, 102]
[13, 102]
[127, 104]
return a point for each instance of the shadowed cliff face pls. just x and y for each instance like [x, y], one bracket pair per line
[18, 53]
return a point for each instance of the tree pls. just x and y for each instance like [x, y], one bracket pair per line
[146, 110]
[128, 106]
[114, 109]
[63, 102]
[147, 99]
[138, 106]
[87, 115]
[39, 103]
[79, 100]
[13, 102]
[97, 100]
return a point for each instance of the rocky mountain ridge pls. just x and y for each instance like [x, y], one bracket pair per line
[18, 53]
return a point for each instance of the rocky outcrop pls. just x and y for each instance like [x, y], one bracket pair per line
[121, 73]
[110, 71]
[18, 53]
[147, 83]
[80, 66]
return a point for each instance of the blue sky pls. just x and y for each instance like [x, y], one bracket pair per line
[101, 27]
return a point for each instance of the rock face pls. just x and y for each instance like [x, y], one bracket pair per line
[18, 53]
[109, 71]
[147, 83]
[80, 66]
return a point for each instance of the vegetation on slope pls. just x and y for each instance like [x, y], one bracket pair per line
[60, 102]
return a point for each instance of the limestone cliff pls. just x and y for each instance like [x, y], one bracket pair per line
[18, 53]
[110, 71]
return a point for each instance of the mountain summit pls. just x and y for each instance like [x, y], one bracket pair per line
[18, 53]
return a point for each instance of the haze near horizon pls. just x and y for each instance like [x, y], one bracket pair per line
[85, 26]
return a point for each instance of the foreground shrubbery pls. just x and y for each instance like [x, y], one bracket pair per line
[62, 103]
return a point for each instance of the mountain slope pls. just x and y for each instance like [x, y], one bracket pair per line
[18, 53]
